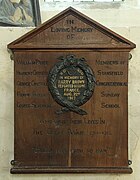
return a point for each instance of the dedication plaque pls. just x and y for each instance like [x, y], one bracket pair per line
[71, 83]
[71, 98]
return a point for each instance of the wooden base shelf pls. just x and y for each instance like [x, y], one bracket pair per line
[30, 170]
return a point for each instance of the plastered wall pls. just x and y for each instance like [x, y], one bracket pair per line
[122, 18]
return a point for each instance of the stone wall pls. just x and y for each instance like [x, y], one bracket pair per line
[123, 18]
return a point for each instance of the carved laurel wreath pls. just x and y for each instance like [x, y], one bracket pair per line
[71, 60]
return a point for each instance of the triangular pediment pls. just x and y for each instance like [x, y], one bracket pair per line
[71, 29]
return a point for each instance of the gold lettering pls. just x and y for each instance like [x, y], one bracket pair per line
[78, 81]
[70, 85]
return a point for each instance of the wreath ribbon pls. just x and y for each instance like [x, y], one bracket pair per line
[71, 60]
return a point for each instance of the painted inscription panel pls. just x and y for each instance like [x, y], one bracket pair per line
[69, 139]
[72, 30]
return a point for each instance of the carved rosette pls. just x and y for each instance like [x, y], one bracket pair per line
[71, 83]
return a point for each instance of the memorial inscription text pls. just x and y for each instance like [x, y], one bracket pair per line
[71, 83]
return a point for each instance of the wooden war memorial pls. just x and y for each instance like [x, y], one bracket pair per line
[71, 98]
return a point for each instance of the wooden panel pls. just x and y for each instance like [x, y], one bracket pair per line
[71, 29]
[49, 142]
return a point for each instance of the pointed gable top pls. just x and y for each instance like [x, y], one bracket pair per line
[71, 29]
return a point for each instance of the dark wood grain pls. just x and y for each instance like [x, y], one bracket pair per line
[47, 142]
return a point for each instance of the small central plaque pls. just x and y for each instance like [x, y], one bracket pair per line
[71, 83]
